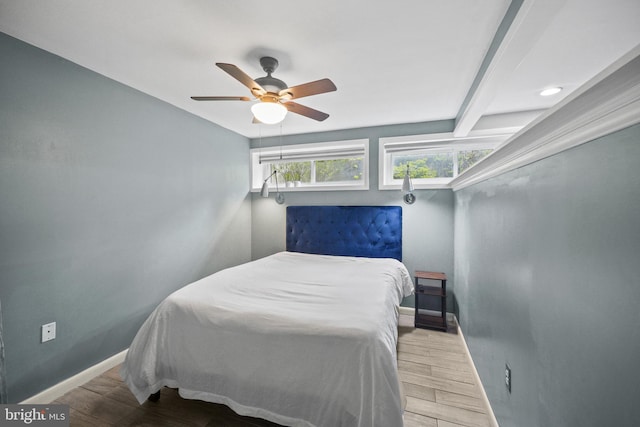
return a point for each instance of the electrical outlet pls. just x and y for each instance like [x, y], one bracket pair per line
[48, 331]
[507, 377]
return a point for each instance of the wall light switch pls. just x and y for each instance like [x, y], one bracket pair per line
[48, 331]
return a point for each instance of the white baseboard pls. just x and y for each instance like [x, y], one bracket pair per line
[492, 417]
[52, 393]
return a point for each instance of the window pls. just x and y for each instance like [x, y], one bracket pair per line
[433, 160]
[339, 165]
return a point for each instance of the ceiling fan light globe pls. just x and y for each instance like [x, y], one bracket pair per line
[269, 113]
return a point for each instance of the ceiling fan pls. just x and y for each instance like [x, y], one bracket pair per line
[274, 96]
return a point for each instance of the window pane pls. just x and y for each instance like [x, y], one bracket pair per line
[339, 170]
[466, 159]
[294, 171]
[432, 165]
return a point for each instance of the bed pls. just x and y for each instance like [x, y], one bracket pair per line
[304, 337]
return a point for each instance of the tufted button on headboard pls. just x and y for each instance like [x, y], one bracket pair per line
[367, 231]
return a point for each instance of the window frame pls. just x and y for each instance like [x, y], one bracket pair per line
[430, 143]
[311, 151]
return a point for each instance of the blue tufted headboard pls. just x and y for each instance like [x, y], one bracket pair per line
[367, 231]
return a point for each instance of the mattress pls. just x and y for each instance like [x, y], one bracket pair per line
[294, 338]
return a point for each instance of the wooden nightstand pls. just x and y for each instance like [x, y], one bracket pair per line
[426, 293]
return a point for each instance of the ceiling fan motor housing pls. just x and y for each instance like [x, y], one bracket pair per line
[271, 84]
[268, 83]
[269, 64]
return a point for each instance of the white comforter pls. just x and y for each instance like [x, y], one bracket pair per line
[297, 339]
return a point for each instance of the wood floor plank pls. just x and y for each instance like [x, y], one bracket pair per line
[427, 333]
[91, 403]
[143, 417]
[452, 374]
[411, 333]
[460, 401]
[102, 384]
[123, 395]
[435, 361]
[419, 391]
[416, 368]
[448, 355]
[416, 420]
[443, 423]
[447, 413]
[414, 348]
[421, 344]
[113, 373]
[439, 383]
[78, 419]
[452, 347]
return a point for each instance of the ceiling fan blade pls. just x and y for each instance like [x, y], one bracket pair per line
[308, 89]
[305, 111]
[242, 77]
[220, 98]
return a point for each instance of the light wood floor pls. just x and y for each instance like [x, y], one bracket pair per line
[435, 371]
[438, 379]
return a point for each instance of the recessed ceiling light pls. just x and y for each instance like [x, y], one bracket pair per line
[550, 91]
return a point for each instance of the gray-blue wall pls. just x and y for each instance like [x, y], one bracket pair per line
[427, 224]
[109, 201]
[547, 278]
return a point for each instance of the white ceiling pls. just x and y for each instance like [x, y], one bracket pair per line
[393, 62]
